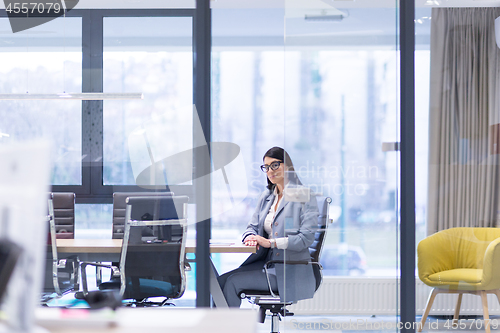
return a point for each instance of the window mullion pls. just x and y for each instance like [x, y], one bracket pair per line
[93, 82]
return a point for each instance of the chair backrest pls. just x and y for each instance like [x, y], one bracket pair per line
[60, 276]
[154, 245]
[453, 248]
[319, 237]
[119, 206]
[64, 214]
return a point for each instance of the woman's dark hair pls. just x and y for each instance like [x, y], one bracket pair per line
[280, 154]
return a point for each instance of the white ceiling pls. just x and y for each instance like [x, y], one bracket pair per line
[262, 22]
[268, 4]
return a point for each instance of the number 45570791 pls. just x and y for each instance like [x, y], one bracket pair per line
[471, 324]
[34, 8]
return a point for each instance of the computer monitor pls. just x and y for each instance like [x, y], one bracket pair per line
[9, 254]
[24, 183]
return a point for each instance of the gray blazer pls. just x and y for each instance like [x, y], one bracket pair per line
[297, 221]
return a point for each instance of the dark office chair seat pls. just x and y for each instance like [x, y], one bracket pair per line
[153, 251]
[148, 288]
[61, 273]
[269, 300]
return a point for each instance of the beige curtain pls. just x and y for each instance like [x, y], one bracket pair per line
[464, 108]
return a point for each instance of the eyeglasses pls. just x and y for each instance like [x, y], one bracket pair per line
[273, 166]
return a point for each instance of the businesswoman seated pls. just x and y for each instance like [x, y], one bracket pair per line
[282, 231]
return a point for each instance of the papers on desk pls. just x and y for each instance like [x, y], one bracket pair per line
[73, 318]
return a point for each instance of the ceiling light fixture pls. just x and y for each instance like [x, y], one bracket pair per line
[497, 30]
[431, 3]
[325, 18]
[73, 96]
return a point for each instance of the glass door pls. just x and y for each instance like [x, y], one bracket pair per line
[340, 128]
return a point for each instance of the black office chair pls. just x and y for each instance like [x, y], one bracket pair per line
[270, 300]
[118, 226]
[153, 251]
[120, 205]
[61, 274]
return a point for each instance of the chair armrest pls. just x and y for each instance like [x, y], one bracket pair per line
[293, 262]
[62, 263]
[84, 264]
[491, 266]
[435, 254]
[288, 262]
[115, 272]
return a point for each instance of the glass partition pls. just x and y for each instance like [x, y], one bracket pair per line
[457, 77]
[321, 80]
[247, 108]
[141, 133]
[317, 78]
[43, 60]
[341, 107]
[341, 121]
[103, 147]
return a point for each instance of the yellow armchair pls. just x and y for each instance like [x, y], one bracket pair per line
[461, 260]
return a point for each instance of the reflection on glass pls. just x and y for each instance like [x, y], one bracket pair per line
[369, 184]
[337, 114]
[93, 221]
[152, 56]
[341, 104]
[45, 59]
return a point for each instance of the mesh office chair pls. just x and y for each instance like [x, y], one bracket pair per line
[153, 251]
[269, 300]
[61, 274]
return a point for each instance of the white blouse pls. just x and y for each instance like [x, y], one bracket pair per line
[281, 242]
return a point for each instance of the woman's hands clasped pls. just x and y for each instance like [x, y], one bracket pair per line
[253, 240]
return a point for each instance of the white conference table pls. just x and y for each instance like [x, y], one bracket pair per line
[108, 250]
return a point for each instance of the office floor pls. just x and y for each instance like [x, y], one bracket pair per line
[373, 324]
[324, 323]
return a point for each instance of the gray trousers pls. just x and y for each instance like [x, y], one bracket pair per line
[248, 277]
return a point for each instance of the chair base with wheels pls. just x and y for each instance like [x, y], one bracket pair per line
[148, 288]
[146, 303]
[268, 302]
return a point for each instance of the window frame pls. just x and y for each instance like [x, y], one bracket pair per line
[92, 188]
